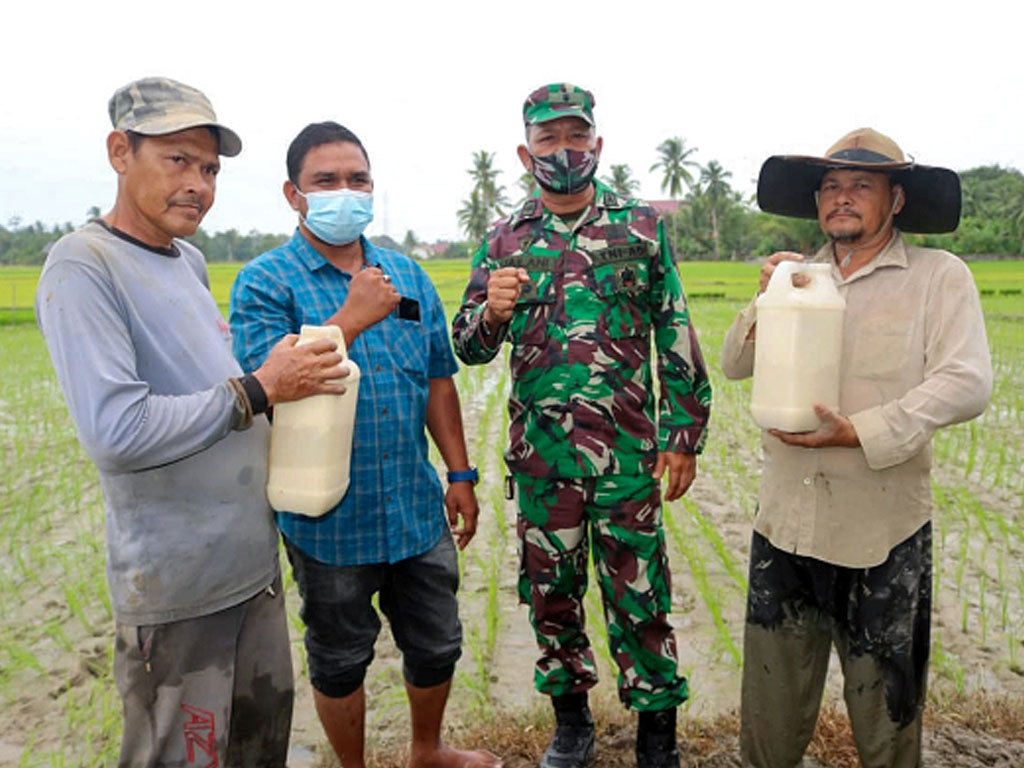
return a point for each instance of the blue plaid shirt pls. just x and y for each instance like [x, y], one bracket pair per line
[394, 507]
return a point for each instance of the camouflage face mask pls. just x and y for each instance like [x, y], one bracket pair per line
[566, 172]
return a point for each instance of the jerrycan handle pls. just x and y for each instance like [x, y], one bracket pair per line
[782, 278]
[310, 332]
[817, 277]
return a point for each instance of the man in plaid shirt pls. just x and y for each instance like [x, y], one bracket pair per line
[388, 535]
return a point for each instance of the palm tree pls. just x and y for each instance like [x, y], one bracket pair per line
[485, 183]
[672, 154]
[527, 183]
[716, 190]
[672, 160]
[474, 217]
[621, 180]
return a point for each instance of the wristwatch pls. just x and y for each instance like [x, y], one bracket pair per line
[464, 475]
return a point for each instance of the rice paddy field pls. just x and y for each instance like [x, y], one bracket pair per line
[57, 698]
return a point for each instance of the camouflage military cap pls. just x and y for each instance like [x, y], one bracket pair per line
[154, 106]
[551, 102]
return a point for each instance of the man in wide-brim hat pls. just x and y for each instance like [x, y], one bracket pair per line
[841, 549]
[788, 183]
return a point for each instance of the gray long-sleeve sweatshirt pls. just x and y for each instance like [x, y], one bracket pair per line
[143, 357]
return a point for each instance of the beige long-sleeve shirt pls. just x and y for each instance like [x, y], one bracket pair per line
[915, 358]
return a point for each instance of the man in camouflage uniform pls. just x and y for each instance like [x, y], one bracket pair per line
[577, 279]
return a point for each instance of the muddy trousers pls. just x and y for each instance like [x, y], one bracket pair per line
[619, 517]
[215, 690]
[879, 620]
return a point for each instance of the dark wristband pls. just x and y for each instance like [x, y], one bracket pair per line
[464, 476]
[255, 392]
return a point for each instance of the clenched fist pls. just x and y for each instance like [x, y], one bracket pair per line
[371, 298]
[503, 288]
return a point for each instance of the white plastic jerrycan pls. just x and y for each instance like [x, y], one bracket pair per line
[798, 348]
[311, 441]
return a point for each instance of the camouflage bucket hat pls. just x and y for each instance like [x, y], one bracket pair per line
[551, 102]
[787, 183]
[155, 106]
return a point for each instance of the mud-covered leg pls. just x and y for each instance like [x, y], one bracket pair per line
[261, 712]
[884, 651]
[786, 645]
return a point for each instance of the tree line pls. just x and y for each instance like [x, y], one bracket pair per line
[713, 221]
[28, 244]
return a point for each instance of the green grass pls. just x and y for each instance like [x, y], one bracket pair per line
[55, 615]
[703, 280]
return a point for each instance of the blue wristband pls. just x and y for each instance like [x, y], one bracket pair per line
[464, 475]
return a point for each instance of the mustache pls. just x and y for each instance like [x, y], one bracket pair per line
[188, 200]
[842, 212]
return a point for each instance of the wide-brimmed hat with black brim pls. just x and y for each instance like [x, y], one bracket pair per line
[787, 183]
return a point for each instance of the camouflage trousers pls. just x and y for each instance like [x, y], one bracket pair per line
[619, 517]
[879, 619]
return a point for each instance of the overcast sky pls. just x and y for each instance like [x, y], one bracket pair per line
[426, 84]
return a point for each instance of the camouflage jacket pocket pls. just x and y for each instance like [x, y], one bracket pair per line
[533, 308]
[624, 288]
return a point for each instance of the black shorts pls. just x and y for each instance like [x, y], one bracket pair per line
[418, 596]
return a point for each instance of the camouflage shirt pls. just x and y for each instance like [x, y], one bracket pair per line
[583, 400]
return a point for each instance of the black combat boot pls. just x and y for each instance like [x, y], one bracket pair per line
[573, 744]
[656, 740]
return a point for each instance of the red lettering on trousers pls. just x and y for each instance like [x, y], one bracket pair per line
[200, 736]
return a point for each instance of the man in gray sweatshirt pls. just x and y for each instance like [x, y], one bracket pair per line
[143, 356]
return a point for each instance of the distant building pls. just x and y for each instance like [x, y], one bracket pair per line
[666, 206]
[433, 250]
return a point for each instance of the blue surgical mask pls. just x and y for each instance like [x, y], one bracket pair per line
[338, 216]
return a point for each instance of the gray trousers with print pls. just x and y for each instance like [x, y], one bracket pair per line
[215, 690]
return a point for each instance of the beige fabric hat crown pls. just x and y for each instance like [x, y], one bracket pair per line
[155, 106]
[787, 183]
[868, 147]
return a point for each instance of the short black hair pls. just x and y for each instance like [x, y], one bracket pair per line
[134, 140]
[314, 135]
